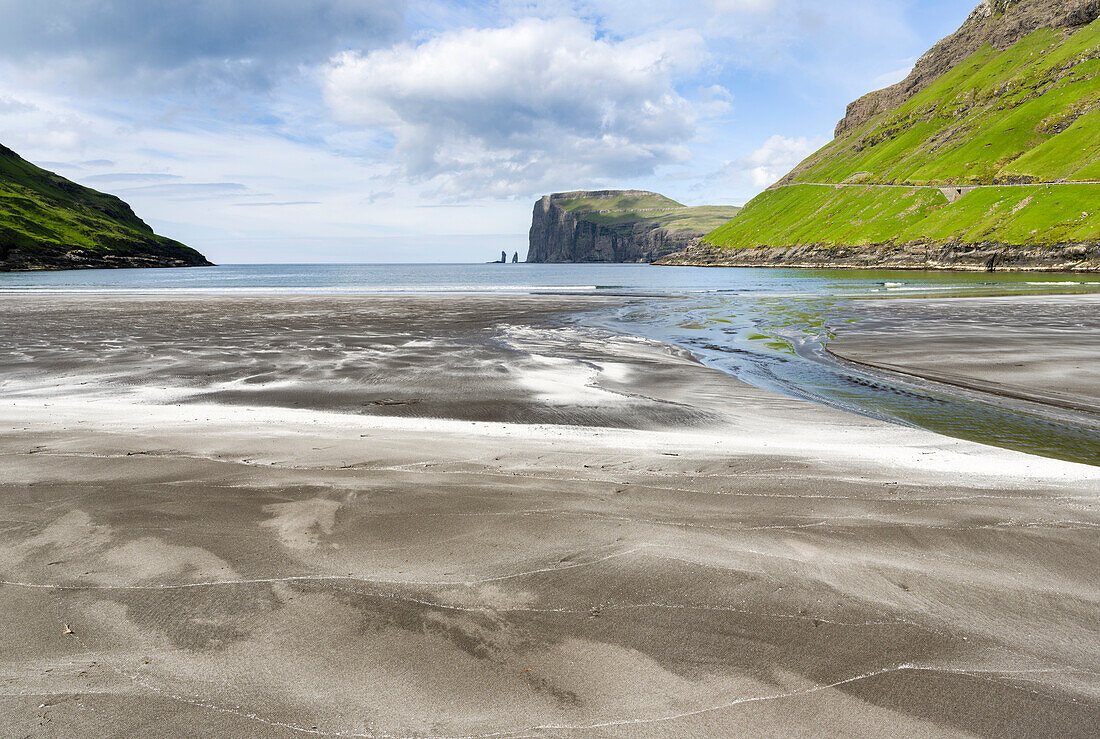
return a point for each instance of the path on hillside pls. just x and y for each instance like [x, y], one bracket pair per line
[935, 187]
[951, 192]
[960, 190]
[632, 210]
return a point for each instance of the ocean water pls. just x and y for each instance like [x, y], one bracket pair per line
[581, 278]
[767, 327]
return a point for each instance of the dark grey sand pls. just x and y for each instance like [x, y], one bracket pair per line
[1044, 348]
[209, 526]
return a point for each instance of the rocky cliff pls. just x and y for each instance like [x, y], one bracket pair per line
[49, 222]
[983, 257]
[998, 23]
[616, 226]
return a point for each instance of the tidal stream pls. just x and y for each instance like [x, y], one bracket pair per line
[767, 327]
[781, 343]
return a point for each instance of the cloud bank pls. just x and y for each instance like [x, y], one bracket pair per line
[341, 120]
[186, 44]
[767, 164]
[513, 110]
[776, 157]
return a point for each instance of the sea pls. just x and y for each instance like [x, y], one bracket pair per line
[767, 327]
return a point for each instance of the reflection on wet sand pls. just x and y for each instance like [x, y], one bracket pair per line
[919, 362]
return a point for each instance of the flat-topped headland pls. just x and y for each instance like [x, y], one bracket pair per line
[616, 226]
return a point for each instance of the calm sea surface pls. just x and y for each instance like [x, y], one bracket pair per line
[768, 327]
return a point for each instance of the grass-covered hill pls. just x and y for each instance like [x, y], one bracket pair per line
[596, 201]
[636, 206]
[989, 154]
[49, 222]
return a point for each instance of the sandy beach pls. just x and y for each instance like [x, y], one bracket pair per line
[460, 516]
[1033, 347]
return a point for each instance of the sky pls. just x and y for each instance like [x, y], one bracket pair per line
[422, 131]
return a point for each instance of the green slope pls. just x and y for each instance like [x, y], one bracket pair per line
[594, 202]
[49, 222]
[1028, 113]
[810, 214]
[646, 208]
[699, 220]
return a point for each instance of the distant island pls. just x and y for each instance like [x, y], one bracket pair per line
[48, 222]
[617, 226]
[986, 156]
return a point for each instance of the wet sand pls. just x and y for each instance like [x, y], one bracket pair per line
[459, 517]
[1041, 348]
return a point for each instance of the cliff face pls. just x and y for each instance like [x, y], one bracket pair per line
[999, 23]
[981, 257]
[615, 226]
[49, 222]
[558, 235]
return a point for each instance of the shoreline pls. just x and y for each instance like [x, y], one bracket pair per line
[4, 268]
[878, 267]
[1075, 258]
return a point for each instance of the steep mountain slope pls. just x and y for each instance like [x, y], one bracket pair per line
[48, 222]
[987, 155]
[616, 226]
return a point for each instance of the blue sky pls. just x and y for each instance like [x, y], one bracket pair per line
[380, 131]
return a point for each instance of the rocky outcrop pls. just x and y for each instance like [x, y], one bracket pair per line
[1083, 257]
[50, 223]
[45, 259]
[561, 235]
[999, 23]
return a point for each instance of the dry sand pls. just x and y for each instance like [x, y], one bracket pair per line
[456, 517]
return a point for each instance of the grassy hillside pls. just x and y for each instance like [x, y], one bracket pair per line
[700, 220]
[1028, 113]
[591, 202]
[809, 214]
[46, 221]
[634, 206]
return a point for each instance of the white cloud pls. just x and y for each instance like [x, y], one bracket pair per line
[743, 6]
[894, 77]
[714, 100]
[157, 45]
[316, 209]
[513, 110]
[193, 110]
[12, 105]
[632, 17]
[771, 161]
